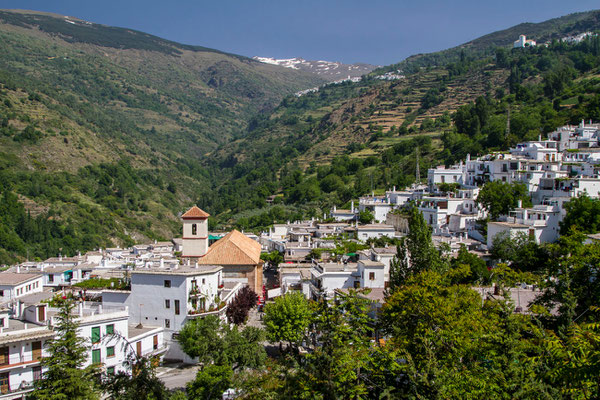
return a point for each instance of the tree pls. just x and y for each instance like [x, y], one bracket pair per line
[583, 214]
[65, 377]
[199, 338]
[479, 272]
[366, 217]
[288, 318]
[521, 251]
[211, 341]
[499, 198]
[140, 382]
[244, 301]
[210, 382]
[416, 252]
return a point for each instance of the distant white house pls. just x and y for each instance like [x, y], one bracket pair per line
[523, 42]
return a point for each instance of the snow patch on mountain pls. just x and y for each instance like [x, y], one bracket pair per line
[330, 70]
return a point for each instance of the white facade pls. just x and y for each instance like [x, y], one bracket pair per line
[365, 232]
[15, 285]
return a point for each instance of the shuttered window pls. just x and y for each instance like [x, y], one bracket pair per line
[96, 356]
[110, 329]
[96, 334]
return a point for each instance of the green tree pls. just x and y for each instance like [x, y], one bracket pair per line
[211, 341]
[65, 378]
[210, 382]
[500, 198]
[366, 217]
[416, 252]
[583, 214]
[288, 318]
[140, 382]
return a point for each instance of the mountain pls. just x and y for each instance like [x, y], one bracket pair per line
[330, 70]
[348, 139]
[102, 124]
[542, 32]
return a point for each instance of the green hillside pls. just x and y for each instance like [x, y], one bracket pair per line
[347, 140]
[103, 129]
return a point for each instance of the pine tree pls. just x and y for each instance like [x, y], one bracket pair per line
[65, 378]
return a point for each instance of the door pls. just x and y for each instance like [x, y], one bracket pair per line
[4, 382]
[41, 313]
[155, 342]
[37, 373]
[36, 351]
[138, 346]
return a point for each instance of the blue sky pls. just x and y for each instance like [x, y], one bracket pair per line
[373, 31]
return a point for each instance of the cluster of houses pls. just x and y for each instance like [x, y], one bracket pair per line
[154, 290]
[554, 171]
[522, 41]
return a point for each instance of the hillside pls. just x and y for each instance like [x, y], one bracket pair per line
[349, 139]
[106, 123]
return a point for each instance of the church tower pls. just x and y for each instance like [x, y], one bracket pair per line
[195, 232]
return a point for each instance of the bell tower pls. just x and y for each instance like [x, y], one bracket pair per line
[195, 232]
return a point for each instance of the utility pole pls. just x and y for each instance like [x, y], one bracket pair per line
[507, 122]
[417, 169]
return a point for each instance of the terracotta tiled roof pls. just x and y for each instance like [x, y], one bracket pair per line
[195, 212]
[235, 248]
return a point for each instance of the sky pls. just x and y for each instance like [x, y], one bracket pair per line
[379, 32]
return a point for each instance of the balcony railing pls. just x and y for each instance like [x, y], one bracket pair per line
[15, 360]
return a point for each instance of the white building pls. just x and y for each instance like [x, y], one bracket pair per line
[374, 231]
[523, 42]
[14, 285]
[326, 278]
[379, 206]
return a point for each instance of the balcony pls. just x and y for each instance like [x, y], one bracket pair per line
[19, 360]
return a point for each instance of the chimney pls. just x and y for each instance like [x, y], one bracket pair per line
[18, 269]
[519, 203]
[352, 206]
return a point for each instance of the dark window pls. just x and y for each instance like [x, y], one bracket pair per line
[167, 323]
[96, 334]
[371, 276]
[50, 278]
[194, 229]
[37, 373]
[167, 283]
[1, 292]
[176, 307]
[155, 342]
[167, 303]
[4, 355]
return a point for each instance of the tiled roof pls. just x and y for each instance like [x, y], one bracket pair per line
[195, 212]
[235, 248]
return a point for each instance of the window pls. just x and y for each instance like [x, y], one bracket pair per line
[96, 334]
[167, 323]
[194, 229]
[167, 283]
[371, 276]
[1, 321]
[203, 281]
[2, 293]
[37, 373]
[50, 278]
[176, 307]
[110, 370]
[110, 329]
[110, 351]
[96, 356]
[4, 356]
[167, 303]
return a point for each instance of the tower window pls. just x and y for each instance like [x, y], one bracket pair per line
[194, 229]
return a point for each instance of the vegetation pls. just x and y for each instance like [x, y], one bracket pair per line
[65, 377]
[288, 318]
[244, 301]
[499, 198]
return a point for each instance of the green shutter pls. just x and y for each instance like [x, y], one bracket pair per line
[96, 334]
[110, 370]
[110, 329]
[96, 356]
[110, 351]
